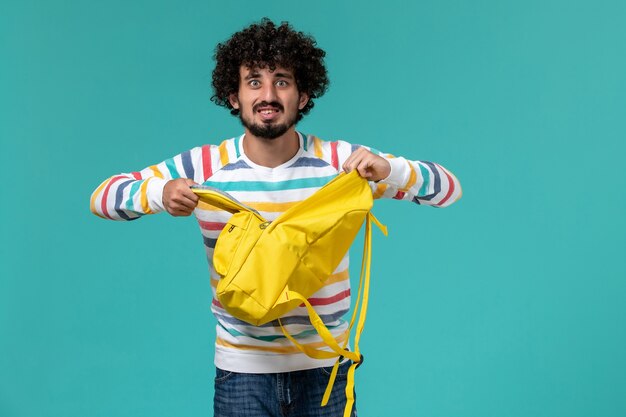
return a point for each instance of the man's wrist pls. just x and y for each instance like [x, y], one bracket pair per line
[398, 174]
[154, 191]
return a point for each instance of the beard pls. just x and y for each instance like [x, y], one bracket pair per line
[267, 130]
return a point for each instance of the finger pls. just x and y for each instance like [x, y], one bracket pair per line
[185, 202]
[347, 166]
[188, 194]
[182, 209]
[175, 211]
[181, 213]
[355, 159]
[364, 168]
[351, 163]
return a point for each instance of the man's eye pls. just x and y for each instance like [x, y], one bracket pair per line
[281, 83]
[254, 83]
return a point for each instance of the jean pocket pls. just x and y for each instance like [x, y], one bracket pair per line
[222, 375]
[342, 372]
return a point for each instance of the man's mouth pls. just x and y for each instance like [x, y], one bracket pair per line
[268, 112]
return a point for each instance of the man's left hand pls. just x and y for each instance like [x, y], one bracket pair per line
[369, 166]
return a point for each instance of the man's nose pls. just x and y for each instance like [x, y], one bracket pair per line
[268, 93]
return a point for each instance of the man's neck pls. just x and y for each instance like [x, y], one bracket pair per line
[271, 152]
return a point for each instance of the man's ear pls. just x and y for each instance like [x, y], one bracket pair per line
[304, 99]
[234, 100]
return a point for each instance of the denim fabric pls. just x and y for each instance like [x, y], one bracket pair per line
[290, 394]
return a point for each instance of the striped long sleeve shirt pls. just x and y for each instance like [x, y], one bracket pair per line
[239, 346]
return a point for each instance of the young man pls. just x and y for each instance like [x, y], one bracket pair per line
[269, 76]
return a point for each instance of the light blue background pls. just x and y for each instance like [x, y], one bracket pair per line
[510, 303]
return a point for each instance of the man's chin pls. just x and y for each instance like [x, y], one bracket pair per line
[268, 130]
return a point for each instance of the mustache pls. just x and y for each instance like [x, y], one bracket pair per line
[266, 104]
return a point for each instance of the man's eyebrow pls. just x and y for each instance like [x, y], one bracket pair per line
[284, 75]
[252, 74]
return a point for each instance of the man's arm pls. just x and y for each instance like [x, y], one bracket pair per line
[160, 187]
[421, 182]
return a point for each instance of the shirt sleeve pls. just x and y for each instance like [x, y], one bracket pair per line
[422, 182]
[128, 196]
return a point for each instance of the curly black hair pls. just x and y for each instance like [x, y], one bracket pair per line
[265, 45]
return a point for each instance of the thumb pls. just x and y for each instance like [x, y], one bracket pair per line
[190, 182]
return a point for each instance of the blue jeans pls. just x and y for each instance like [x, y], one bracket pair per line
[289, 394]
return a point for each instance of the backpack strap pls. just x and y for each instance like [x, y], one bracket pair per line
[361, 304]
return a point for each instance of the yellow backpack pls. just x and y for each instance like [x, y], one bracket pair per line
[299, 251]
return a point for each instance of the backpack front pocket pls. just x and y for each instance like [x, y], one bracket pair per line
[229, 242]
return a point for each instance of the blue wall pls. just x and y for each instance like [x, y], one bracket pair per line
[510, 303]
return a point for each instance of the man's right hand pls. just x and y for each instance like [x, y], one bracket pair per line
[178, 199]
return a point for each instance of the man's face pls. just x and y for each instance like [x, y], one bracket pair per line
[268, 101]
